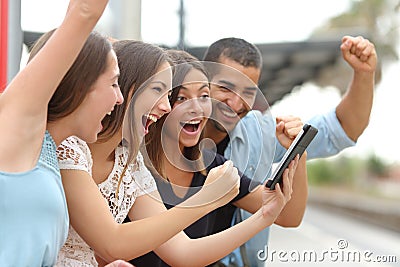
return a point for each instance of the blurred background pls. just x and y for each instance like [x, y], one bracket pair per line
[354, 196]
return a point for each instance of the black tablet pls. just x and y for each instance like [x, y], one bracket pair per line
[299, 144]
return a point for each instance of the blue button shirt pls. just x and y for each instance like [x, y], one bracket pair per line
[253, 145]
[253, 148]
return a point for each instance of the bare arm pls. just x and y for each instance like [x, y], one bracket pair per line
[183, 251]
[293, 212]
[90, 217]
[287, 129]
[23, 105]
[33, 87]
[354, 110]
[119, 263]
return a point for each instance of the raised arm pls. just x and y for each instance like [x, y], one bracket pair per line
[340, 128]
[354, 109]
[23, 104]
[90, 217]
[33, 87]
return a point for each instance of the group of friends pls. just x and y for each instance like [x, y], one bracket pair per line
[106, 150]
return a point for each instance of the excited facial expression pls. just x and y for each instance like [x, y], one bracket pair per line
[190, 111]
[234, 89]
[100, 101]
[152, 101]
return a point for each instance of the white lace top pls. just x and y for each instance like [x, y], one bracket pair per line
[74, 154]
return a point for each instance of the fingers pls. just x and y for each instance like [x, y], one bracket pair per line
[359, 46]
[226, 168]
[230, 172]
[359, 53]
[287, 118]
[288, 127]
[275, 200]
[288, 177]
[228, 164]
[221, 169]
[224, 177]
[293, 128]
[292, 125]
[280, 127]
[287, 188]
[119, 263]
[235, 173]
[295, 162]
[112, 39]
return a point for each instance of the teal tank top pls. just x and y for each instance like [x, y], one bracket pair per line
[33, 212]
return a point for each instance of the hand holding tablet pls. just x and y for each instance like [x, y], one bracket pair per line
[298, 146]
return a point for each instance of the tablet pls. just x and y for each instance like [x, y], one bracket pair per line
[299, 144]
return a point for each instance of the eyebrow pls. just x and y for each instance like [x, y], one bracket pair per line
[115, 76]
[201, 88]
[160, 82]
[250, 88]
[232, 85]
[228, 83]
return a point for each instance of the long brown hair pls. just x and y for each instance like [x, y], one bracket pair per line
[138, 63]
[86, 69]
[183, 63]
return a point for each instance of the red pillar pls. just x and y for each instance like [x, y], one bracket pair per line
[3, 43]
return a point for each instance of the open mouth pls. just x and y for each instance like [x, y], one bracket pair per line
[191, 126]
[148, 119]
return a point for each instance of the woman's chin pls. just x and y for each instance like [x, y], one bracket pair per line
[189, 141]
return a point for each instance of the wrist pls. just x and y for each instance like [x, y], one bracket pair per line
[201, 201]
[263, 219]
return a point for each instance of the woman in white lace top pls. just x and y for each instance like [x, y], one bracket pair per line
[115, 173]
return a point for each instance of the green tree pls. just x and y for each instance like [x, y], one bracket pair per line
[376, 166]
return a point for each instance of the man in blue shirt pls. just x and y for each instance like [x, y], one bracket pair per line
[251, 143]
